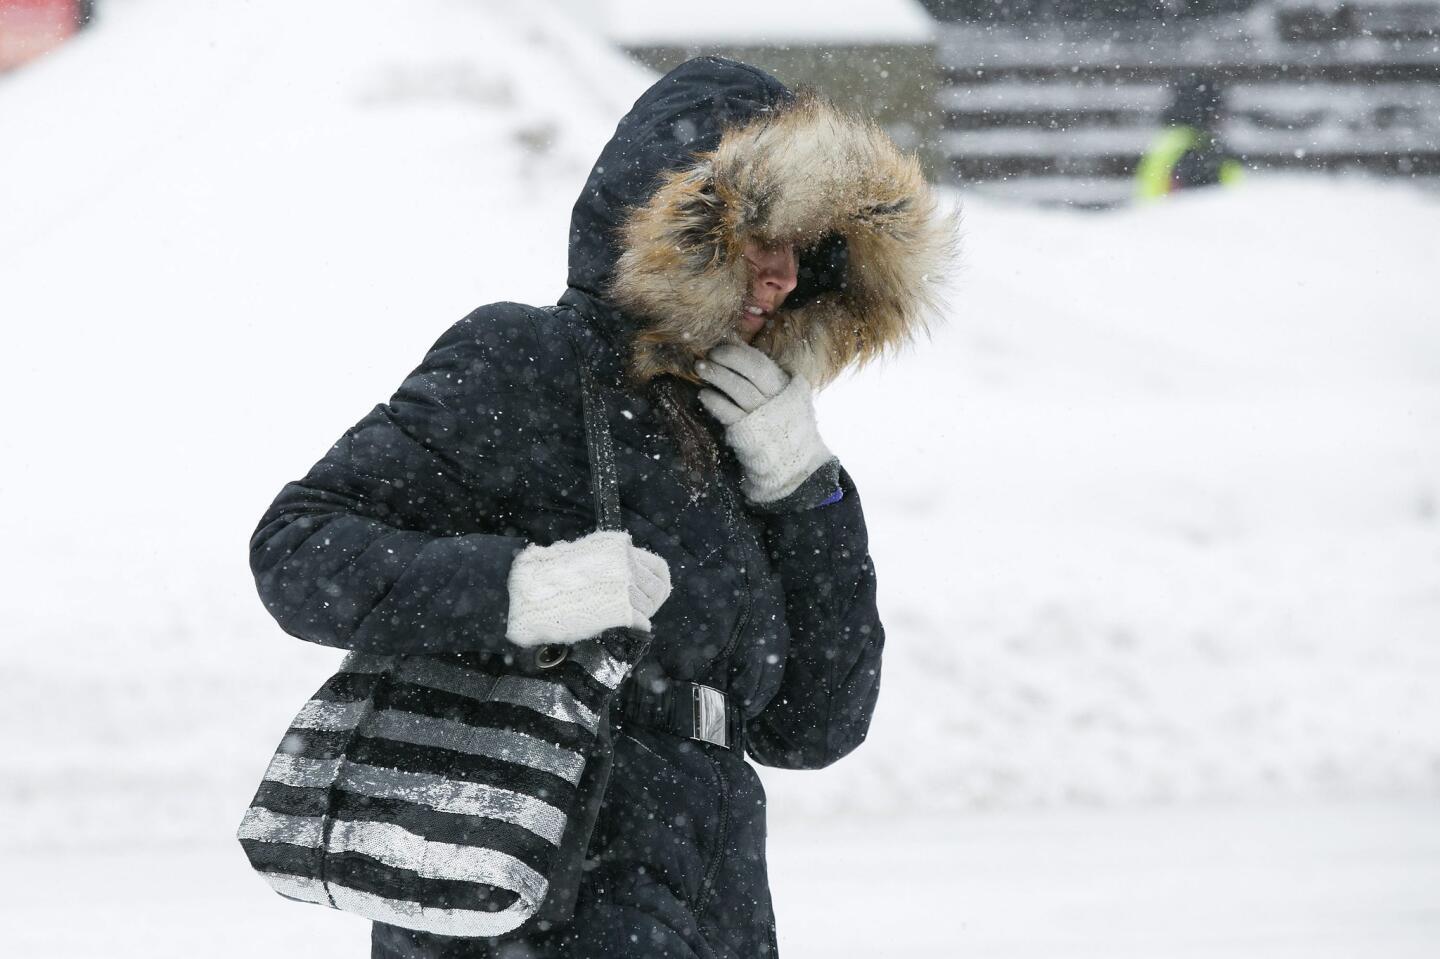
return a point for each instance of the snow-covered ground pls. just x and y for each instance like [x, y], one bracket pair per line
[1156, 512]
[1349, 881]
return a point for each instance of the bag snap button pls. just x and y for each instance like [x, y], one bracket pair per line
[550, 656]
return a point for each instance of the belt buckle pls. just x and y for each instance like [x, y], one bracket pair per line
[709, 716]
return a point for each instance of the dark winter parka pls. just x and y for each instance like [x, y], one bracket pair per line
[401, 538]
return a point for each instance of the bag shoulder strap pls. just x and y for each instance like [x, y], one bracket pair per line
[604, 480]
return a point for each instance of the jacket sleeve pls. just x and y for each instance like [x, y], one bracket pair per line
[832, 670]
[376, 548]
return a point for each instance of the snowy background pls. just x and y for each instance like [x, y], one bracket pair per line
[1155, 512]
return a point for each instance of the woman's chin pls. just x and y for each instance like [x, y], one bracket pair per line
[750, 325]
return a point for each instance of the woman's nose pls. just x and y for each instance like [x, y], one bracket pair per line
[779, 271]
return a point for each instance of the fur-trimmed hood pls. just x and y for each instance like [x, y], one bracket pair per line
[717, 153]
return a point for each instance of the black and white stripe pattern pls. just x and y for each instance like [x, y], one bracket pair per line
[430, 792]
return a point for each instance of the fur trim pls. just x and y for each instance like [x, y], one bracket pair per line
[794, 176]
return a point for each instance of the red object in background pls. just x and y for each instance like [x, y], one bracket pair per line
[29, 28]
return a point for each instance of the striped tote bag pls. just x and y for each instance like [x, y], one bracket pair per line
[452, 794]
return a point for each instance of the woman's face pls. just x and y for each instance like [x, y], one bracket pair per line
[773, 274]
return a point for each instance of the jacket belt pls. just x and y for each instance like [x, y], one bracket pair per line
[691, 710]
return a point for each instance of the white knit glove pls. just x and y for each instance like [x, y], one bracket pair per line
[769, 419]
[579, 588]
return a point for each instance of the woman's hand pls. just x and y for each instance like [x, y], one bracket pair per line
[769, 419]
[579, 588]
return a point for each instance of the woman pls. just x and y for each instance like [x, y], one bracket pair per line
[734, 247]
